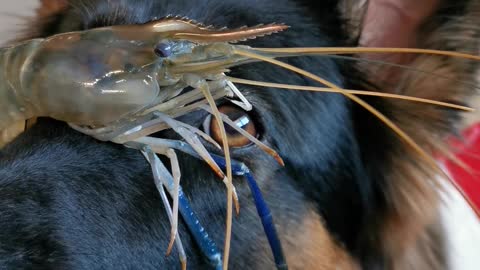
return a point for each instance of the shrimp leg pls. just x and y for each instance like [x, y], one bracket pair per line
[238, 169]
[206, 244]
[175, 168]
[263, 210]
[181, 251]
[161, 177]
[199, 82]
[188, 133]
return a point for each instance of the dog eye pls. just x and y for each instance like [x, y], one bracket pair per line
[240, 118]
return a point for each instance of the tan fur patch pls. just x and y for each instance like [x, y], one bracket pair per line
[319, 250]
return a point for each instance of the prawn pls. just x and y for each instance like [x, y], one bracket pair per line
[123, 83]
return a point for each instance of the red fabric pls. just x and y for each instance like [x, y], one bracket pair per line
[467, 150]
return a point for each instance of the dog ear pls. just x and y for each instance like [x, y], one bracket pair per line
[51, 7]
[412, 188]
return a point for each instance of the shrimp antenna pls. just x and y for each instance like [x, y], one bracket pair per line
[354, 92]
[279, 52]
[368, 107]
[407, 69]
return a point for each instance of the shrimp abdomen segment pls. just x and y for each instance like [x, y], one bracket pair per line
[14, 104]
[76, 79]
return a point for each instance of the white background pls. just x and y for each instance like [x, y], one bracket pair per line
[13, 15]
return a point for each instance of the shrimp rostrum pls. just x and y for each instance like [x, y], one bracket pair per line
[124, 83]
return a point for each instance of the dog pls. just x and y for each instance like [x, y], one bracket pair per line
[352, 195]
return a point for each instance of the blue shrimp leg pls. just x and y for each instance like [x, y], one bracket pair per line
[239, 168]
[205, 243]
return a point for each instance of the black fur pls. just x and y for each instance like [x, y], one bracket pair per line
[68, 201]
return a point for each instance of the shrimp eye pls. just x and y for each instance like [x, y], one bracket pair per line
[163, 50]
[240, 118]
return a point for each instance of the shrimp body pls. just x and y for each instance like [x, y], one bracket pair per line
[76, 80]
[14, 103]
[99, 76]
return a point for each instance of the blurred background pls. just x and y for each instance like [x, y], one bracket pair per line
[13, 14]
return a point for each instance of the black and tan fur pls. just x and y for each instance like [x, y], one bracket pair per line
[351, 196]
